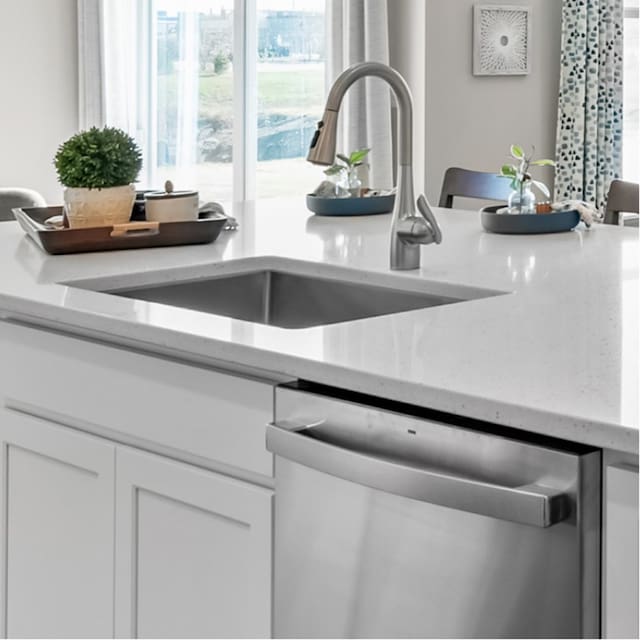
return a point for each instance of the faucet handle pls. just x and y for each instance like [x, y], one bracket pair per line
[428, 215]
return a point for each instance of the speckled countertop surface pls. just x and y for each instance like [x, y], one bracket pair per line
[558, 355]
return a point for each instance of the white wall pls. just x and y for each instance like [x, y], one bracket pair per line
[39, 95]
[472, 120]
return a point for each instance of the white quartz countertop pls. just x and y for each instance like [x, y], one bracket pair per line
[558, 355]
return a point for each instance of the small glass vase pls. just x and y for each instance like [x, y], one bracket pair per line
[351, 182]
[522, 200]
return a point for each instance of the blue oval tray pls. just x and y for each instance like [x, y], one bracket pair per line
[555, 222]
[350, 206]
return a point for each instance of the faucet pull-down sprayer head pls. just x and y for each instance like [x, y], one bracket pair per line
[322, 149]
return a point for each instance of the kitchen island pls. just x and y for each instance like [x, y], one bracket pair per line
[557, 355]
[553, 351]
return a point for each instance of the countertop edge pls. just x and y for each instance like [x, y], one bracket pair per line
[240, 359]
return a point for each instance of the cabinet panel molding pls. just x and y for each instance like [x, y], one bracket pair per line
[57, 507]
[193, 551]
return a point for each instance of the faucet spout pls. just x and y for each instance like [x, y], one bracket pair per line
[408, 230]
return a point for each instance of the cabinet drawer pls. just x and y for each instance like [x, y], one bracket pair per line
[110, 390]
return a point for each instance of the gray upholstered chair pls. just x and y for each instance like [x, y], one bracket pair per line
[472, 184]
[14, 197]
[623, 197]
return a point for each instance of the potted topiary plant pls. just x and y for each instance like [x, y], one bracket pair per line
[98, 167]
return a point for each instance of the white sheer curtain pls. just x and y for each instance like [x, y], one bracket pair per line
[108, 42]
[113, 48]
[120, 64]
[118, 85]
[90, 69]
[358, 30]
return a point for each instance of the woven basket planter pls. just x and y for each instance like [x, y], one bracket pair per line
[99, 207]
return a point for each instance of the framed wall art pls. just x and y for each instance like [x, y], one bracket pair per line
[501, 40]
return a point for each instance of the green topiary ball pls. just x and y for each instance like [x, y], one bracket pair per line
[98, 159]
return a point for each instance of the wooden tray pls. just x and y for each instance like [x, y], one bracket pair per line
[133, 235]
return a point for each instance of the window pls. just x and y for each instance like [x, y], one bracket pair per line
[291, 93]
[233, 91]
[631, 101]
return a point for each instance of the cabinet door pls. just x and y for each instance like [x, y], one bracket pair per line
[621, 552]
[193, 551]
[57, 506]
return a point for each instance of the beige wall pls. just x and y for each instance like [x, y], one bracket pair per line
[38, 100]
[471, 121]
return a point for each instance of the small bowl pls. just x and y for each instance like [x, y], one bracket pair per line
[350, 206]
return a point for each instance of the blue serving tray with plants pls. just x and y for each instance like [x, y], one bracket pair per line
[350, 206]
[524, 223]
[347, 167]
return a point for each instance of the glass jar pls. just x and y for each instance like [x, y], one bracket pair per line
[350, 182]
[362, 171]
[522, 200]
[340, 185]
[354, 183]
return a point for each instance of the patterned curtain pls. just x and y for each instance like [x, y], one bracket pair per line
[589, 136]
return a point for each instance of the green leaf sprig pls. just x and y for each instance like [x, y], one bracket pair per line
[98, 159]
[519, 173]
[347, 163]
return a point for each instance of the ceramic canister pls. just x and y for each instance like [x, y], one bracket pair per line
[171, 206]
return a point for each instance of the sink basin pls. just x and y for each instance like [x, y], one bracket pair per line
[290, 300]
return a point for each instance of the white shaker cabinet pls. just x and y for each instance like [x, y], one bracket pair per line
[123, 511]
[191, 554]
[193, 551]
[57, 538]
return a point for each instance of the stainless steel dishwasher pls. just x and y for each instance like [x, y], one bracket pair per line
[392, 522]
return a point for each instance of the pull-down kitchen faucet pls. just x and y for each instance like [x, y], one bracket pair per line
[408, 230]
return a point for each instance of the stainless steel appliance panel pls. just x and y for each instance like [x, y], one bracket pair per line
[389, 525]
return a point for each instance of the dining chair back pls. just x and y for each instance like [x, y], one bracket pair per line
[623, 197]
[472, 184]
[11, 198]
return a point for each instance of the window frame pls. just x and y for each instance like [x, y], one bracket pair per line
[245, 99]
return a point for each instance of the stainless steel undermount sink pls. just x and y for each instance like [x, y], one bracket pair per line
[293, 300]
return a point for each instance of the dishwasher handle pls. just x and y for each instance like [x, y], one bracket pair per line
[531, 504]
